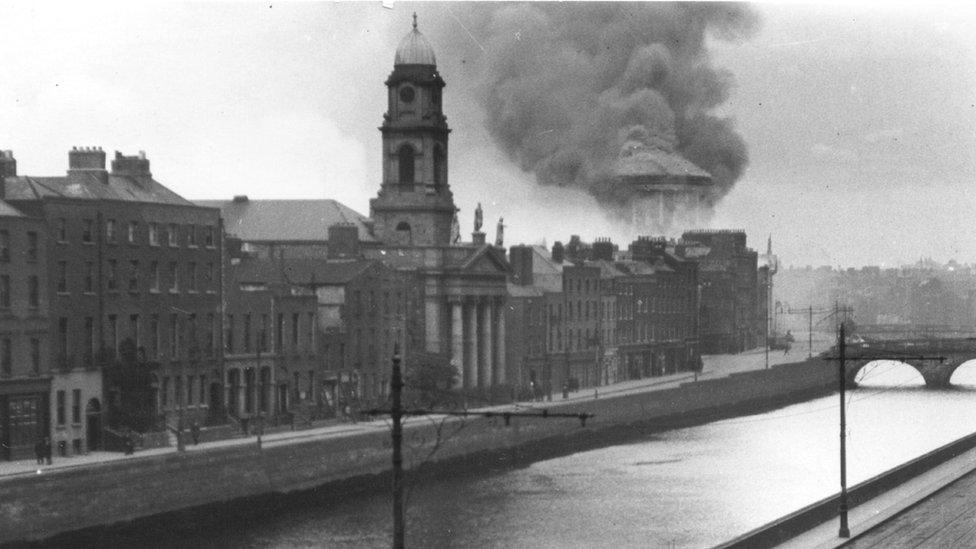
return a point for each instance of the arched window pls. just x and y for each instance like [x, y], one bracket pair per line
[440, 166]
[405, 159]
[404, 235]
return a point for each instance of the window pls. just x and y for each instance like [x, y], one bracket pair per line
[132, 231]
[134, 329]
[113, 332]
[174, 277]
[89, 277]
[76, 406]
[154, 336]
[31, 246]
[191, 334]
[203, 390]
[89, 340]
[310, 334]
[294, 331]
[62, 277]
[112, 276]
[35, 352]
[61, 404]
[279, 332]
[5, 291]
[191, 236]
[153, 234]
[209, 237]
[110, 235]
[178, 386]
[6, 357]
[165, 392]
[154, 276]
[86, 230]
[61, 229]
[174, 341]
[263, 335]
[4, 245]
[191, 277]
[229, 338]
[208, 277]
[405, 161]
[209, 336]
[247, 333]
[173, 235]
[33, 292]
[134, 276]
[63, 338]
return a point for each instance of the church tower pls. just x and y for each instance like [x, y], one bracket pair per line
[414, 206]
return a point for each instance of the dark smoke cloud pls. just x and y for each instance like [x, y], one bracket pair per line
[566, 86]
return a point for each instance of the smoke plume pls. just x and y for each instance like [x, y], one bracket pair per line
[566, 86]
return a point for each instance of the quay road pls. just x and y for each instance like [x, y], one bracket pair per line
[936, 509]
[715, 366]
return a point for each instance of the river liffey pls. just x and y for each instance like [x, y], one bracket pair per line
[692, 487]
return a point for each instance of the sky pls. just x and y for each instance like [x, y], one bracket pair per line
[860, 120]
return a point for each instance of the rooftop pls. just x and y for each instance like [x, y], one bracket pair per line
[287, 220]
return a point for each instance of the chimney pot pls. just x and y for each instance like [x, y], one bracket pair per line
[238, 198]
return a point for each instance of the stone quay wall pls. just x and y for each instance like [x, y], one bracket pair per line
[64, 500]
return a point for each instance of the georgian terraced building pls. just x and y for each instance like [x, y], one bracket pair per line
[133, 284]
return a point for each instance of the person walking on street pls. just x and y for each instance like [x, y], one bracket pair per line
[48, 449]
[39, 451]
[195, 432]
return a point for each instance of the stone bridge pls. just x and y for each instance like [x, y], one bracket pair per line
[936, 373]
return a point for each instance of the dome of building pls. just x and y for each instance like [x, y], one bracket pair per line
[414, 49]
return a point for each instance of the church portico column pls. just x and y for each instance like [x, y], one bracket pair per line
[457, 339]
[499, 370]
[485, 343]
[471, 363]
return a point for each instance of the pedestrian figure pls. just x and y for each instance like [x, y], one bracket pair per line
[47, 449]
[195, 432]
[244, 425]
[39, 451]
[129, 444]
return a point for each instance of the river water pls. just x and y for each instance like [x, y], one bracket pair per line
[692, 487]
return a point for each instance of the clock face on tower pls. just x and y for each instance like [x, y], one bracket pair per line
[406, 94]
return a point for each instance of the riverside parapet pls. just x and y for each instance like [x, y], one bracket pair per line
[63, 500]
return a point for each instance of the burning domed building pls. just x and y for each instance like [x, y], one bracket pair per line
[667, 192]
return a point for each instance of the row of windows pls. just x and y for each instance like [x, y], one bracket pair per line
[61, 404]
[155, 234]
[7, 353]
[255, 338]
[193, 275]
[192, 392]
[181, 333]
[30, 252]
[33, 292]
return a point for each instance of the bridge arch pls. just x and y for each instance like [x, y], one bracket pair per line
[883, 373]
[937, 374]
[964, 373]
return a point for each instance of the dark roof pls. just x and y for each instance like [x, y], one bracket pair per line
[286, 220]
[88, 186]
[300, 271]
[6, 210]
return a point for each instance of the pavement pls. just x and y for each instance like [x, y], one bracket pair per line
[714, 366]
[935, 509]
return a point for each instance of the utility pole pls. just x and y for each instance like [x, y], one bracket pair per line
[844, 530]
[397, 412]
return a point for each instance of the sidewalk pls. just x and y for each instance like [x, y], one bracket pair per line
[715, 366]
[934, 509]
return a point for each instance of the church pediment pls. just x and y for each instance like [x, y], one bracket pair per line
[487, 260]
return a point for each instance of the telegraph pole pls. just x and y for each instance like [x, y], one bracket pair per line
[841, 358]
[397, 412]
[845, 532]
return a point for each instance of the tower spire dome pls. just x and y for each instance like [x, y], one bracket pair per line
[414, 49]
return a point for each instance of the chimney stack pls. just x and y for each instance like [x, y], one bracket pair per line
[520, 257]
[87, 161]
[343, 241]
[8, 167]
[132, 166]
[602, 249]
[558, 252]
